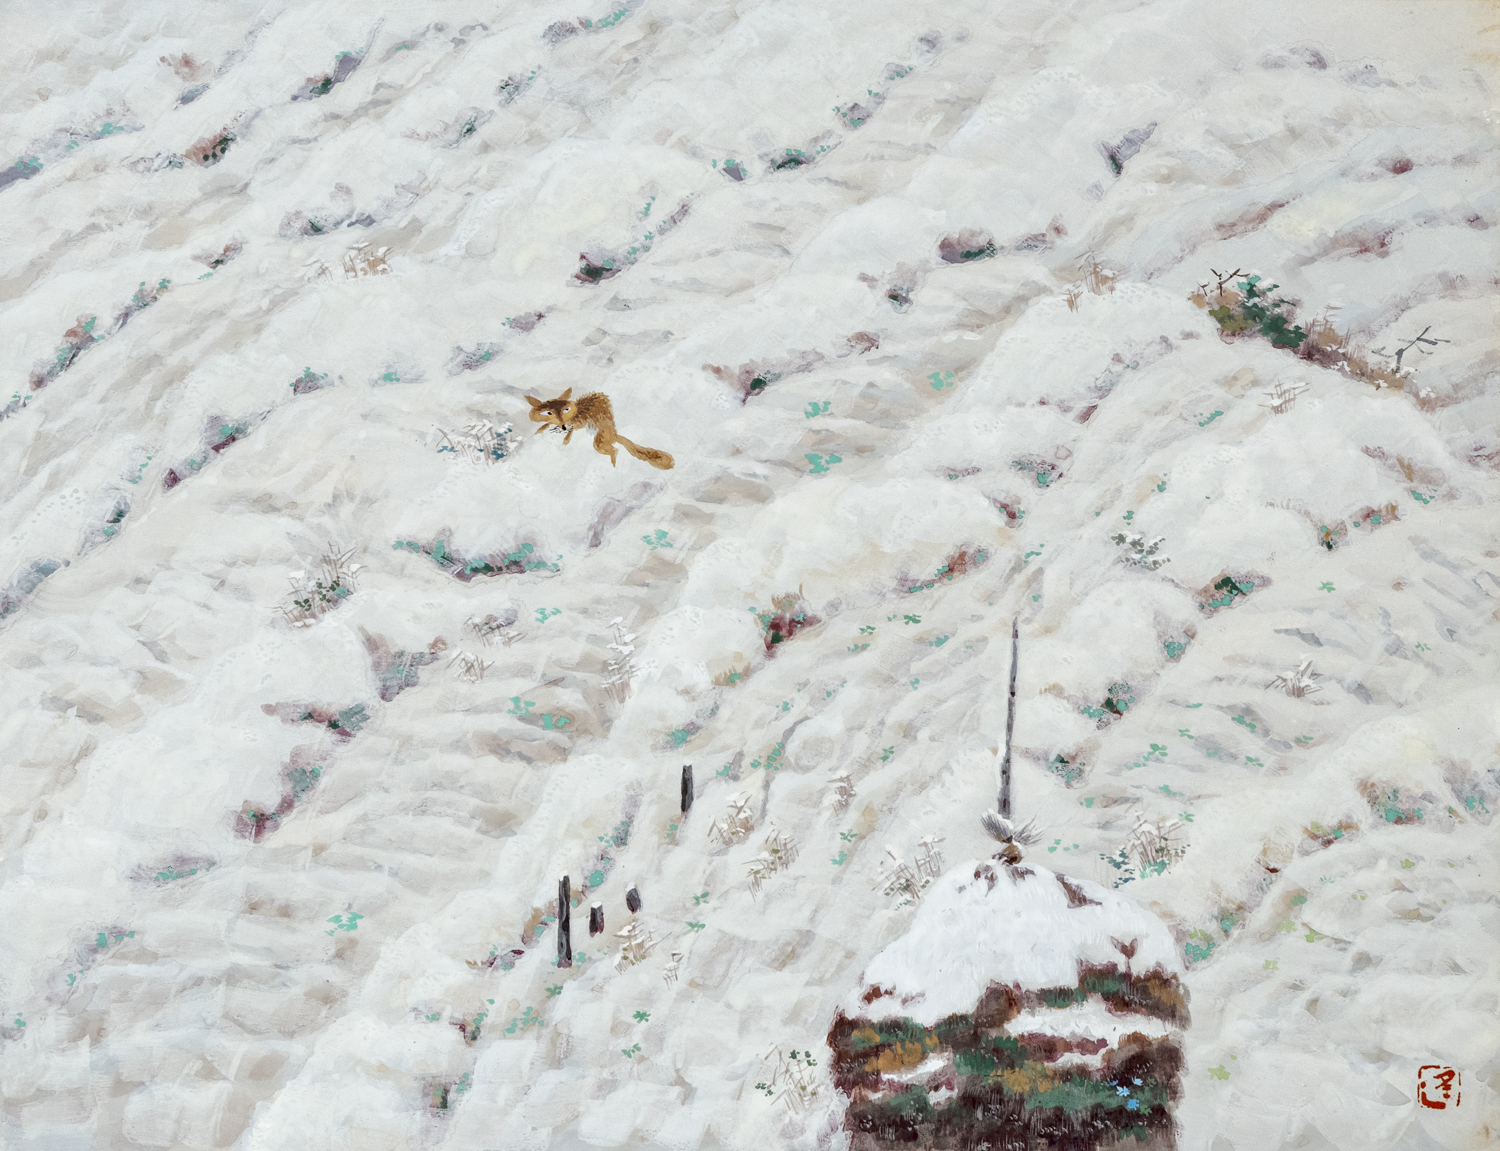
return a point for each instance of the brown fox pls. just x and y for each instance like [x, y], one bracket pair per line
[591, 411]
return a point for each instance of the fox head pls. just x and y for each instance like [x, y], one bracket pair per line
[558, 413]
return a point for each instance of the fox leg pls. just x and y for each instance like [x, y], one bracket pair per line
[605, 447]
[569, 436]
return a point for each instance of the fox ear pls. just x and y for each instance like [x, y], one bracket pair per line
[566, 394]
[533, 401]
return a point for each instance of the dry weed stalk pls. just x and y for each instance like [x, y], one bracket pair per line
[621, 671]
[638, 942]
[332, 584]
[794, 1075]
[929, 858]
[1299, 683]
[1156, 845]
[1283, 396]
[898, 878]
[316, 269]
[359, 261]
[479, 442]
[1095, 277]
[842, 793]
[493, 627]
[672, 969]
[776, 855]
[736, 823]
[471, 668]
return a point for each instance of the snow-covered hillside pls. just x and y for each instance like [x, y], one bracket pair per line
[905, 289]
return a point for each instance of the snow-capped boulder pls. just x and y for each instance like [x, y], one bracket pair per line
[1021, 1008]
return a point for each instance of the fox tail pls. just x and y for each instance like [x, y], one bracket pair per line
[657, 459]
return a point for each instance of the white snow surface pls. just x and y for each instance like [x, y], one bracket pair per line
[166, 982]
[1019, 933]
[1087, 1020]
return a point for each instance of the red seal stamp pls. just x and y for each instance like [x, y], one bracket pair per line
[1438, 1087]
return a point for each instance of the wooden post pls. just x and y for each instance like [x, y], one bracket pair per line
[1010, 718]
[564, 924]
[596, 919]
[633, 899]
[687, 787]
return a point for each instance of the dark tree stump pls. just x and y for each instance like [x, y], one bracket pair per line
[596, 919]
[633, 899]
[687, 787]
[564, 924]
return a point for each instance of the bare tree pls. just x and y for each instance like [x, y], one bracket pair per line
[1010, 718]
[1419, 340]
[1224, 278]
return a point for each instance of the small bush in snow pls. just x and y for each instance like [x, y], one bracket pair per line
[1156, 846]
[789, 614]
[1149, 850]
[1116, 703]
[1397, 804]
[1070, 771]
[794, 1074]
[480, 442]
[1249, 309]
[315, 86]
[1045, 470]
[523, 559]
[1226, 590]
[1141, 553]
[1319, 836]
[317, 593]
[12, 597]
[75, 340]
[463, 360]
[211, 149]
[309, 381]
[961, 562]
[966, 246]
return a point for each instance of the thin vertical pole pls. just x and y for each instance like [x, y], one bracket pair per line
[1010, 718]
[564, 924]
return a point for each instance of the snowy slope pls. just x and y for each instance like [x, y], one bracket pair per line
[178, 969]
